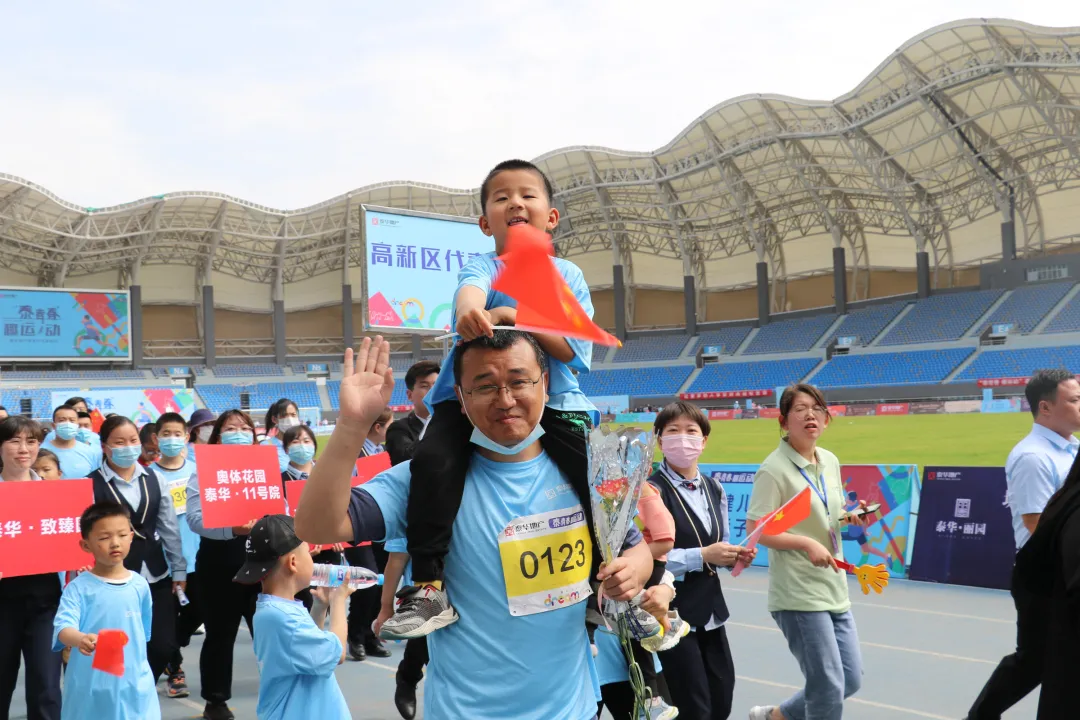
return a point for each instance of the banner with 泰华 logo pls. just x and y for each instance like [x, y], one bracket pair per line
[964, 528]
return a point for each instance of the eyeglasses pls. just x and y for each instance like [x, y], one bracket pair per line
[518, 389]
[805, 410]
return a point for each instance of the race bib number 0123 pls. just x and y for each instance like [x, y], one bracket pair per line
[546, 560]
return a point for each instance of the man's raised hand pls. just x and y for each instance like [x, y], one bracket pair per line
[367, 381]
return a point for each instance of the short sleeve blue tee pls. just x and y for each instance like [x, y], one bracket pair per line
[543, 668]
[564, 392]
[296, 664]
[76, 462]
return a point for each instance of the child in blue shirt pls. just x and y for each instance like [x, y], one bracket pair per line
[514, 192]
[296, 657]
[108, 597]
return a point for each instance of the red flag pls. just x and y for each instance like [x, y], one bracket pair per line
[109, 653]
[790, 514]
[96, 419]
[545, 301]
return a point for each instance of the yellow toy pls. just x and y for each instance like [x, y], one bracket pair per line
[870, 576]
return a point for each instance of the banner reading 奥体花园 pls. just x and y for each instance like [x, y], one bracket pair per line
[964, 528]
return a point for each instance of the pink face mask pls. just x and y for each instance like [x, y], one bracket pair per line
[682, 450]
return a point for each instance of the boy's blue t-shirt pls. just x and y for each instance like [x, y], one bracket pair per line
[76, 462]
[93, 604]
[296, 663]
[176, 481]
[564, 392]
[282, 456]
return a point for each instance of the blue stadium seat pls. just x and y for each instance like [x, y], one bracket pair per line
[1020, 363]
[899, 368]
[651, 348]
[866, 323]
[765, 375]
[248, 370]
[1067, 319]
[941, 317]
[1028, 305]
[636, 382]
[728, 338]
[401, 363]
[333, 387]
[787, 336]
[220, 398]
[40, 398]
[75, 375]
[160, 371]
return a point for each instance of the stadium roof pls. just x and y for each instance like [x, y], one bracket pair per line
[939, 136]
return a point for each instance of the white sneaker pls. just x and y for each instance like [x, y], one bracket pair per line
[659, 710]
[659, 643]
[761, 712]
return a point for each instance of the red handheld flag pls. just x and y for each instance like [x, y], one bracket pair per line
[790, 514]
[109, 653]
[545, 301]
[96, 419]
[370, 466]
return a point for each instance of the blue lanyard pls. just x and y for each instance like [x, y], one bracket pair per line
[820, 493]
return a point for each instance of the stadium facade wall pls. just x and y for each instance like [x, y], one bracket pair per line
[170, 322]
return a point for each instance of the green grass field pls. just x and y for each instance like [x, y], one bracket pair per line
[918, 439]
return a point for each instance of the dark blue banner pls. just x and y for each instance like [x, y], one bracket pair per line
[964, 529]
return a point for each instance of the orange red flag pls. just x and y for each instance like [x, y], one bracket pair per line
[96, 419]
[545, 302]
[790, 514]
[109, 653]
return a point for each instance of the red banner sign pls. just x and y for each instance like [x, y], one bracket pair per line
[1002, 382]
[39, 526]
[238, 483]
[725, 394]
[370, 466]
[721, 414]
[769, 412]
[400, 408]
[893, 409]
[838, 410]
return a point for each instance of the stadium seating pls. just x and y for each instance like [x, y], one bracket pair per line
[899, 368]
[1028, 305]
[651, 348]
[765, 375]
[160, 371]
[1020, 363]
[333, 388]
[248, 370]
[867, 323]
[40, 398]
[940, 318]
[220, 398]
[75, 375]
[401, 363]
[788, 336]
[1067, 319]
[636, 382]
[728, 338]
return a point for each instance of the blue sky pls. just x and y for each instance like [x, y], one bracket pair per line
[289, 103]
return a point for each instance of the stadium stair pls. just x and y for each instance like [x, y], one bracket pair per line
[980, 324]
[809, 378]
[962, 366]
[324, 398]
[895, 321]
[689, 381]
[746, 343]
[830, 332]
[1056, 309]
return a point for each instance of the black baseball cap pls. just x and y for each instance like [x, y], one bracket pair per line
[272, 537]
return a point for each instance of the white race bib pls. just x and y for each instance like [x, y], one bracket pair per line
[546, 560]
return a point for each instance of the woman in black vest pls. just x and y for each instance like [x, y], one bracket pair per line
[699, 670]
[156, 550]
[221, 554]
[27, 603]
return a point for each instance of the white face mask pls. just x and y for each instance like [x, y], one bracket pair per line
[287, 422]
[479, 439]
[205, 432]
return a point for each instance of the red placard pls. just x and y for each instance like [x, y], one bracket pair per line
[238, 483]
[893, 409]
[770, 413]
[39, 526]
[1002, 382]
[294, 490]
[370, 466]
[721, 414]
[725, 394]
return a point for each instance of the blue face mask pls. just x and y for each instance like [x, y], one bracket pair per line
[171, 446]
[481, 440]
[84, 435]
[236, 437]
[301, 454]
[125, 457]
[66, 430]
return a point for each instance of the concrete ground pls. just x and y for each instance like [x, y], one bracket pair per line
[927, 650]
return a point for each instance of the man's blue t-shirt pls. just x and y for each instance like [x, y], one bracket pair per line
[296, 664]
[492, 664]
[76, 462]
[564, 392]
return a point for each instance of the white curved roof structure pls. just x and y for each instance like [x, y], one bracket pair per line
[939, 136]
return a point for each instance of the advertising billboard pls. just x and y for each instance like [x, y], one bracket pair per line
[61, 324]
[141, 406]
[411, 267]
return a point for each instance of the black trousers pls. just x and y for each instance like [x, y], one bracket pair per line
[618, 698]
[438, 478]
[225, 603]
[162, 647]
[188, 619]
[26, 628]
[410, 671]
[701, 675]
[363, 604]
[1020, 673]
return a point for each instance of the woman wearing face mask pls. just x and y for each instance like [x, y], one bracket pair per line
[28, 603]
[281, 416]
[199, 428]
[699, 670]
[156, 546]
[221, 554]
[808, 593]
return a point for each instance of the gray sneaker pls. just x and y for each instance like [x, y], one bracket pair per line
[659, 643]
[420, 611]
[657, 709]
[642, 624]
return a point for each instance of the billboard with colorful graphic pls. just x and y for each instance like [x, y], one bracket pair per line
[411, 266]
[142, 406]
[44, 324]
